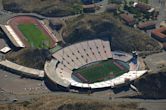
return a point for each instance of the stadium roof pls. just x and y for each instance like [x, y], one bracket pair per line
[12, 36]
[64, 61]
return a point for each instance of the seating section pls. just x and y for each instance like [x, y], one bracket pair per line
[80, 54]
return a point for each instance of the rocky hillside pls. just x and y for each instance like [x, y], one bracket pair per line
[44, 7]
[108, 26]
[152, 85]
[50, 102]
[34, 58]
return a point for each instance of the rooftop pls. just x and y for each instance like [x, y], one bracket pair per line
[112, 6]
[127, 18]
[143, 7]
[146, 24]
[89, 6]
[160, 32]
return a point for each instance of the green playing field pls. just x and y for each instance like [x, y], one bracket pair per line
[36, 37]
[101, 71]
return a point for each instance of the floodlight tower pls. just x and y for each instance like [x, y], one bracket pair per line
[135, 56]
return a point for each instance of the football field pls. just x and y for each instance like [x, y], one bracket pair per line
[35, 36]
[100, 71]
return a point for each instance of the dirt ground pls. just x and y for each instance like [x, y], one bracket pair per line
[159, 61]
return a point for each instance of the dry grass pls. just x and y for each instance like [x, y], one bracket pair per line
[50, 102]
[45, 7]
[108, 26]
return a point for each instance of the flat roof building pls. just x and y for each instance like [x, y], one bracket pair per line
[143, 7]
[89, 8]
[112, 7]
[159, 34]
[147, 25]
[128, 19]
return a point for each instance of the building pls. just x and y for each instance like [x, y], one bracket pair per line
[87, 2]
[112, 7]
[159, 34]
[163, 24]
[143, 7]
[3, 46]
[147, 25]
[128, 19]
[60, 69]
[89, 8]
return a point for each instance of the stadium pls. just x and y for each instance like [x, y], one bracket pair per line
[91, 64]
[26, 31]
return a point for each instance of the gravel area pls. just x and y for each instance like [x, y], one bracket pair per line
[156, 61]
